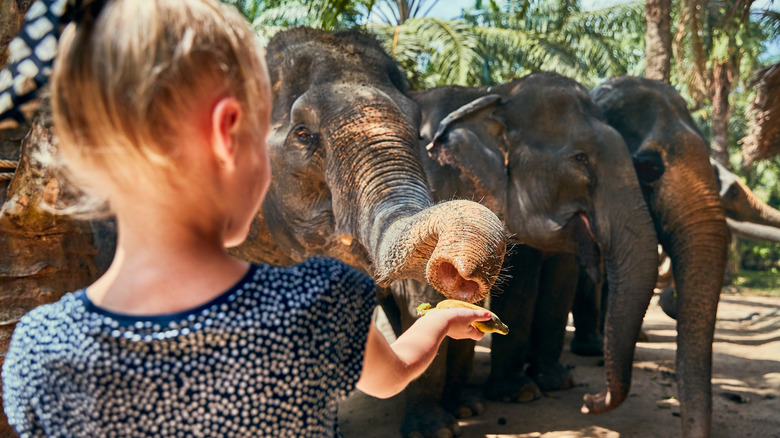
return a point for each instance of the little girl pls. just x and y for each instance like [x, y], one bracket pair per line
[162, 108]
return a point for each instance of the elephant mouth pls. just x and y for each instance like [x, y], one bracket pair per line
[586, 245]
[585, 221]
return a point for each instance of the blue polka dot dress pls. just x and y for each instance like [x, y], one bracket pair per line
[270, 357]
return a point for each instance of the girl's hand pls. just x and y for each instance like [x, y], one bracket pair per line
[459, 321]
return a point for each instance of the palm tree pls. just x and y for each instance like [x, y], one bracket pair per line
[488, 45]
[524, 36]
[716, 46]
[399, 11]
[658, 40]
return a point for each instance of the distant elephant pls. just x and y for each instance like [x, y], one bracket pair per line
[672, 162]
[537, 152]
[746, 215]
[347, 179]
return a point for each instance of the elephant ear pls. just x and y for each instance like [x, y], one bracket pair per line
[466, 110]
[471, 139]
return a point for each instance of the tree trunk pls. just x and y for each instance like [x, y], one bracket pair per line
[720, 90]
[658, 39]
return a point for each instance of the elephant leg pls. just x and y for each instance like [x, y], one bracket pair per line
[557, 287]
[514, 304]
[458, 397]
[586, 311]
[393, 313]
[425, 416]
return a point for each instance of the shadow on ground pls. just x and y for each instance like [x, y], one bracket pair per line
[746, 387]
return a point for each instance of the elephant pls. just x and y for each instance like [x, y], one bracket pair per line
[347, 180]
[536, 151]
[671, 159]
[746, 215]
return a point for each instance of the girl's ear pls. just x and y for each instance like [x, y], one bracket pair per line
[225, 119]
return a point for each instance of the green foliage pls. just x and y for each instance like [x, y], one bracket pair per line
[433, 51]
[524, 36]
[758, 283]
[494, 43]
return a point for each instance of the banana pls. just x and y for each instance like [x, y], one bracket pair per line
[493, 326]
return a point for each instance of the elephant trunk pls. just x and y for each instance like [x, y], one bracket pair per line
[757, 211]
[691, 226]
[750, 230]
[458, 245]
[631, 256]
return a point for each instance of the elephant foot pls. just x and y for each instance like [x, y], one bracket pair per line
[587, 345]
[519, 389]
[429, 422]
[554, 378]
[464, 404]
[668, 301]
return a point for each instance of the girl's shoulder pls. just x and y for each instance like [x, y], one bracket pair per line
[314, 274]
[48, 324]
[66, 310]
[322, 285]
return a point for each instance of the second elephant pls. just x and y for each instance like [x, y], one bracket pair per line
[536, 151]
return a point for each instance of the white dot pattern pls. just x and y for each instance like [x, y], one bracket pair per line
[270, 357]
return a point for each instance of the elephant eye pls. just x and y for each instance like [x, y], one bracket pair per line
[309, 140]
[649, 166]
[304, 136]
[581, 157]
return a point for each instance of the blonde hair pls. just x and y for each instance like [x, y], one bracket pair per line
[123, 81]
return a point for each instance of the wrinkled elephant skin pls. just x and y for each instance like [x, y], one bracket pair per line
[672, 162]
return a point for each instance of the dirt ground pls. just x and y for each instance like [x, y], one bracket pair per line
[745, 387]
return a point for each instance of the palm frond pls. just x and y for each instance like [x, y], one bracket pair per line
[444, 50]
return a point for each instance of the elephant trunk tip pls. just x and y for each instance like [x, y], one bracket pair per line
[460, 278]
[444, 276]
[602, 402]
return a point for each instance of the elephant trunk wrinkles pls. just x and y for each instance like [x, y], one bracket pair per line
[750, 230]
[458, 245]
[700, 249]
[631, 261]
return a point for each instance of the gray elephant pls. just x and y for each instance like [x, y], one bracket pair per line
[537, 152]
[347, 179]
[672, 162]
[746, 216]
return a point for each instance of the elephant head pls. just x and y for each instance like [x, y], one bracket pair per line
[746, 215]
[539, 152]
[672, 163]
[347, 180]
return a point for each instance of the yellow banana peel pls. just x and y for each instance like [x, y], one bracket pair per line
[493, 326]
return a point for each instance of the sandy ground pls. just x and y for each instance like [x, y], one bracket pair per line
[746, 387]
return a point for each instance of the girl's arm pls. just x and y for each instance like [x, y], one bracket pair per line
[388, 368]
